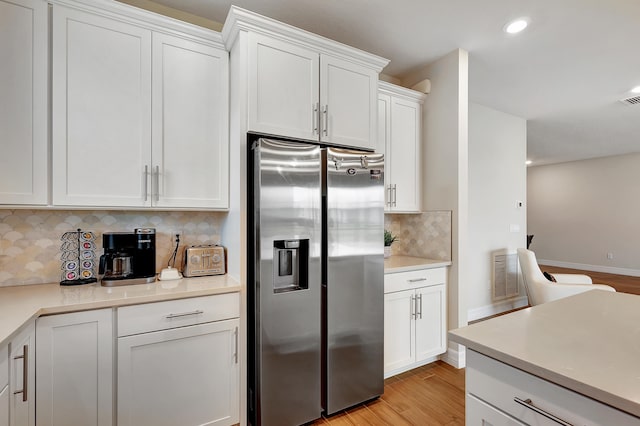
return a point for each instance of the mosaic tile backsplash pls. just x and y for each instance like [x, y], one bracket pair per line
[30, 239]
[427, 234]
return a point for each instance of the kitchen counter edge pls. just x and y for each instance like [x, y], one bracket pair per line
[395, 264]
[24, 303]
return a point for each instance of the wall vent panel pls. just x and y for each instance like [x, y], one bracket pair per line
[505, 281]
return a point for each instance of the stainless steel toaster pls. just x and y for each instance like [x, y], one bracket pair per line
[204, 260]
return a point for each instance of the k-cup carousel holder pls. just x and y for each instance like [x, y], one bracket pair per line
[78, 257]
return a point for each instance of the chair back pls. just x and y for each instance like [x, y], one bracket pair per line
[532, 276]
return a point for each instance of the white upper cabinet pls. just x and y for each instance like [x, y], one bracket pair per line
[140, 111]
[190, 152]
[348, 103]
[23, 102]
[283, 88]
[101, 110]
[400, 139]
[300, 85]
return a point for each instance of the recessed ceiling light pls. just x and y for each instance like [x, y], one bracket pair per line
[514, 27]
[635, 89]
[528, 162]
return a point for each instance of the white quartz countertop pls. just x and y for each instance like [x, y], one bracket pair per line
[589, 343]
[395, 264]
[20, 304]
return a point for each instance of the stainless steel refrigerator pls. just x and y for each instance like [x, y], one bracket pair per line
[315, 280]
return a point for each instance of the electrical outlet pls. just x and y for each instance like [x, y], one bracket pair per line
[610, 256]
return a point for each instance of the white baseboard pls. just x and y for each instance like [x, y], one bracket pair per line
[455, 357]
[496, 308]
[595, 268]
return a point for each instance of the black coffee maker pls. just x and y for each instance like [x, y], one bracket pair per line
[129, 257]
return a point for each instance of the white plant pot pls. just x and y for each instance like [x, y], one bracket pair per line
[387, 251]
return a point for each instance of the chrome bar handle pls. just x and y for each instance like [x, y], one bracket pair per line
[325, 127]
[412, 306]
[527, 403]
[415, 280]
[316, 108]
[146, 182]
[25, 373]
[420, 297]
[415, 298]
[394, 194]
[157, 175]
[184, 314]
[235, 354]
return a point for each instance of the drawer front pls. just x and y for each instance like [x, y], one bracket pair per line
[177, 313]
[480, 413]
[400, 281]
[4, 366]
[499, 385]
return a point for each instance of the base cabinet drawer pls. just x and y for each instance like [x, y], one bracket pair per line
[479, 413]
[533, 400]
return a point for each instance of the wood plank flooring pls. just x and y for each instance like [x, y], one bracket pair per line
[622, 283]
[428, 395]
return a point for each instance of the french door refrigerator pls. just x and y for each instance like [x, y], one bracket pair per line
[315, 280]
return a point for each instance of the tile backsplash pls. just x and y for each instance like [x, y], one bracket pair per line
[427, 234]
[30, 239]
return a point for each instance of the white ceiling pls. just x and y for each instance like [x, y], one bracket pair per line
[564, 74]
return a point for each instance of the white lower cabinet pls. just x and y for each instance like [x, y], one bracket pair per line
[187, 375]
[414, 319]
[498, 394]
[22, 378]
[4, 386]
[74, 369]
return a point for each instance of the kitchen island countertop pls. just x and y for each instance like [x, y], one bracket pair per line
[588, 343]
[395, 264]
[20, 304]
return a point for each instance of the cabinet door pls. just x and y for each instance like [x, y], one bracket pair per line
[349, 103]
[101, 110]
[283, 88]
[74, 367]
[404, 155]
[22, 378]
[384, 134]
[4, 386]
[399, 326]
[23, 102]
[479, 413]
[190, 124]
[187, 376]
[430, 321]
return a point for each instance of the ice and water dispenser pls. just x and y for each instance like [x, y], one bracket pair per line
[290, 265]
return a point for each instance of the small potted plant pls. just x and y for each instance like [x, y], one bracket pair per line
[389, 238]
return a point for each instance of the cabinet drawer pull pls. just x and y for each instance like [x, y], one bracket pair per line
[527, 403]
[184, 314]
[25, 372]
[416, 280]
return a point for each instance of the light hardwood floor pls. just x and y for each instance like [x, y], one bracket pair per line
[428, 395]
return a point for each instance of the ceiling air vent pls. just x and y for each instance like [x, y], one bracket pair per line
[631, 101]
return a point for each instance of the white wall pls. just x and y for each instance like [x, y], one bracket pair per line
[497, 180]
[582, 210]
[445, 180]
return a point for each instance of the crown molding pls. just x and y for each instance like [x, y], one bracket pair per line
[240, 19]
[386, 88]
[144, 18]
